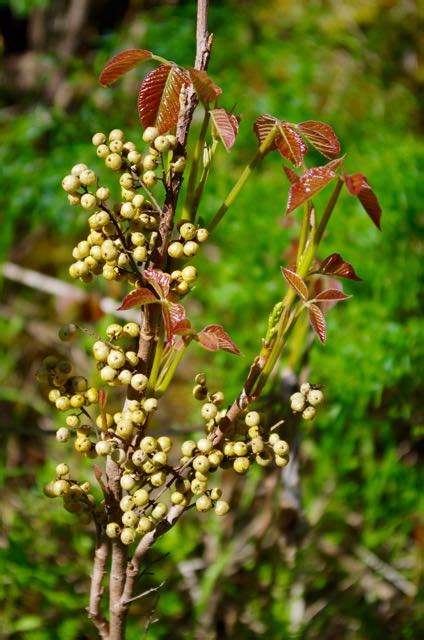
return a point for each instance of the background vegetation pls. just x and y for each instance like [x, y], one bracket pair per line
[348, 562]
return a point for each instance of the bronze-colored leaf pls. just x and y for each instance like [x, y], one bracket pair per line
[331, 295]
[214, 337]
[335, 265]
[262, 128]
[317, 321]
[358, 186]
[226, 125]
[121, 63]
[159, 97]
[137, 298]
[321, 136]
[296, 282]
[309, 184]
[290, 144]
[160, 281]
[205, 88]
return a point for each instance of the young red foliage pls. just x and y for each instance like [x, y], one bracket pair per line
[296, 282]
[159, 97]
[226, 125]
[214, 337]
[358, 186]
[310, 183]
[205, 88]
[121, 64]
[335, 265]
[321, 136]
[317, 320]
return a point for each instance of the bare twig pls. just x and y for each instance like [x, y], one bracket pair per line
[101, 555]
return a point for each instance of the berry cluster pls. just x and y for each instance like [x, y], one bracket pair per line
[187, 245]
[76, 496]
[305, 401]
[123, 236]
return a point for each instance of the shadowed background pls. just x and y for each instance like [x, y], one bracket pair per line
[348, 562]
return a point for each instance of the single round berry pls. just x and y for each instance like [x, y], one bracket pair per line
[77, 169]
[204, 445]
[188, 231]
[158, 479]
[140, 254]
[165, 443]
[281, 462]
[139, 381]
[252, 419]
[221, 508]
[88, 177]
[150, 405]
[159, 511]
[150, 134]
[61, 488]
[281, 448]
[67, 332]
[179, 164]
[188, 447]
[127, 482]
[241, 465]
[148, 444]
[315, 397]
[145, 525]
[134, 157]
[189, 274]
[116, 359]
[173, 140]
[203, 504]
[113, 530]
[127, 503]
[63, 434]
[113, 161]
[103, 448]
[149, 179]
[177, 497]
[190, 248]
[176, 250]
[102, 151]
[240, 448]
[116, 134]
[309, 413]
[88, 201]
[98, 138]
[71, 183]
[162, 144]
[297, 402]
[140, 497]
[201, 463]
[202, 235]
[128, 535]
[209, 411]
[129, 519]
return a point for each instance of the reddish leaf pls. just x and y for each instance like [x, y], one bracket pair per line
[292, 175]
[121, 63]
[321, 136]
[309, 184]
[173, 315]
[263, 126]
[358, 186]
[159, 97]
[317, 321]
[159, 280]
[226, 125]
[336, 266]
[290, 144]
[184, 328]
[296, 282]
[136, 298]
[331, 295]
[205, 88]
[214, 337]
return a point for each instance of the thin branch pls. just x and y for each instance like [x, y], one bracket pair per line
[101, 555]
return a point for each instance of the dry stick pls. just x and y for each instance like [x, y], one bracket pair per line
[96, 589]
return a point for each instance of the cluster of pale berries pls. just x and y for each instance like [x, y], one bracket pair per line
[306, 400]
[123, 236]
[76, 496]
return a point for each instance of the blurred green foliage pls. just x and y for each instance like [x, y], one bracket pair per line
[358, 66]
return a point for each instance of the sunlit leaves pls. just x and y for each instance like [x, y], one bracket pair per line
[159, 280]
[358, 186]
[334, 265]
[205, 88]
[287, 140]
[290, 144]
[137, 298]
[317, 320]
[226, 125]
[159, 97]
[321, 136]
[331, 295]
[214, 337]
[309, 184]
[121, 64]
[296, 282]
